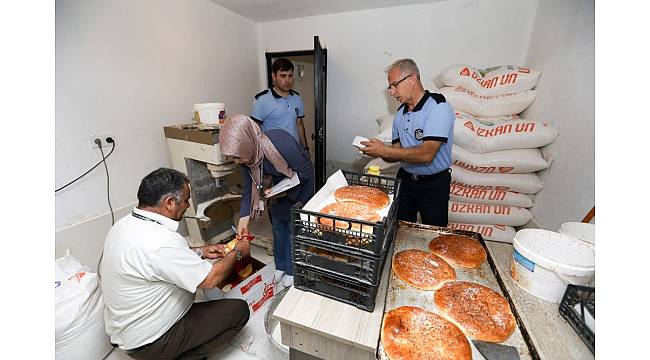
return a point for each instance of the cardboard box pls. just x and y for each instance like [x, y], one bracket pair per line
[257, 289]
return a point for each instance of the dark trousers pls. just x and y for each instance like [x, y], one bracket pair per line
[205, 327]
[428, 195]
[282, 245]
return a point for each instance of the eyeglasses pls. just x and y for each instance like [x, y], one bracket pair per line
[394, 85]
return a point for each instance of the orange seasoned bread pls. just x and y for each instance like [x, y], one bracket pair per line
[370, 196]
[478, 311]
[422, 269]
[409, 332]
[350, 210]
[459, 250]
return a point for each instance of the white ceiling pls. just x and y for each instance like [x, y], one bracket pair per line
[269, 10]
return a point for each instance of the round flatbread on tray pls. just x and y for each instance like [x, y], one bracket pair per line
[422, 269]
[478, 311]
[350, 210]
[370, 196]
[459, 250]
[410, 332]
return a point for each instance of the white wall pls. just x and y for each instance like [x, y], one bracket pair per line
[361, 44]
[562, 46]
[128, 68]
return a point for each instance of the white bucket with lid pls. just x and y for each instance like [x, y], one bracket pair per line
[545, 262]
[582, 231]
[209, 113]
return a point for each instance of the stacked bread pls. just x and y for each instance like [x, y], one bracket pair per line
[495, 153]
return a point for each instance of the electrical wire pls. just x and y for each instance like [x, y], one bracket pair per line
[91, 169]
[108, 184]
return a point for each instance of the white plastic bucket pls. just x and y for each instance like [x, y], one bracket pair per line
[545, 262]
[582, 231]
[209, 113]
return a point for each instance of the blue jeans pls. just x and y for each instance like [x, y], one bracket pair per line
[282, 245]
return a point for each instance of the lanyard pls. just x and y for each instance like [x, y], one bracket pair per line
[142, 217]
[260, 185]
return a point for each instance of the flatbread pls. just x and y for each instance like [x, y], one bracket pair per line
[409, 332]
[459, 250]
[422, 269]
[370, 196]
[478, 311]
[350, 210]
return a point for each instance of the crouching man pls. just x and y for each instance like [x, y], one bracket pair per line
[149, 276]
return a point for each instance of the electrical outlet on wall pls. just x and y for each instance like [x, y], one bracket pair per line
[103, 138]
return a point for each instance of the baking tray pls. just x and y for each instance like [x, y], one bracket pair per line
[417, 236]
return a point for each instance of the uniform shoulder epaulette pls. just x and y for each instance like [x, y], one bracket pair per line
[261, 93]
[293, 92]
[439, 98]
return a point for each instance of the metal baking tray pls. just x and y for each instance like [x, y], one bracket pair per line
[417, 236]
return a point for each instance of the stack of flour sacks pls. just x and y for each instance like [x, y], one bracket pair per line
[495, 153]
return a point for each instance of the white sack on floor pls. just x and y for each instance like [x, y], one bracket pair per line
[488, 214]
[513, 161]
[79, 312]
[465, 100]
[521, 183]
[469, 195]
[494, 81]
[500, 233]
[481, 136]
[385, 128]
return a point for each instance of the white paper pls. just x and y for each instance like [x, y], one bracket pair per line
[284, 185]
[357, 141]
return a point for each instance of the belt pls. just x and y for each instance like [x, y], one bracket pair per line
[416, 177]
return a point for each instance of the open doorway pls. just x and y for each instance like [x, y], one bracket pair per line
[310, 80]
[303, 83]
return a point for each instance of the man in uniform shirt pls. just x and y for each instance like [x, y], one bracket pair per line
[422, 139]
[280, 107]
[149, 276]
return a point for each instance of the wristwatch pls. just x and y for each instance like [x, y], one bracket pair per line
[239, 255]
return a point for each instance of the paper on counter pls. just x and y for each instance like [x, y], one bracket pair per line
[284, 185]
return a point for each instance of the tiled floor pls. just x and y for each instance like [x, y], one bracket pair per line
[251, 343]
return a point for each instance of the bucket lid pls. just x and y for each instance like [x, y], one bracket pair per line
[550, 249]
[582, 231]
[204, 106]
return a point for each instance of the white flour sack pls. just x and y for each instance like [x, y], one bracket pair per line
[494, 81]
[385, 128]
[513, 161]
[79, 312]
[521, 183]
[460, 193]
[480, 136]
[486, 119]
[488, 214]
[467, 101]
[500, 233]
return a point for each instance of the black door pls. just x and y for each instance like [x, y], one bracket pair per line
[320, 97]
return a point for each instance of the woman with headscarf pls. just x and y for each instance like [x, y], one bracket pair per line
[265, 159]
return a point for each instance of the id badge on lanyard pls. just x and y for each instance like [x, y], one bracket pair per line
[260, 187]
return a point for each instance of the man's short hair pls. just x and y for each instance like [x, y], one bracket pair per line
[406, 66]
[159, 184]
[282, 64]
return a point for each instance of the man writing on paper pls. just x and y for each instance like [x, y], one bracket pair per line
[422, 140]
[149, 276]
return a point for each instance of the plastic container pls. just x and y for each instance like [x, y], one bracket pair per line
[374, 238]
[577, 303]
[354, 265]
[582, 231]
[335, 287]
[272, 327]
[209, 113]
[545, 262]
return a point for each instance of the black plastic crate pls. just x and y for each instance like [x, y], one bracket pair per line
[353, 265]
[335, 287]
[370, 238]
[586, 297]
